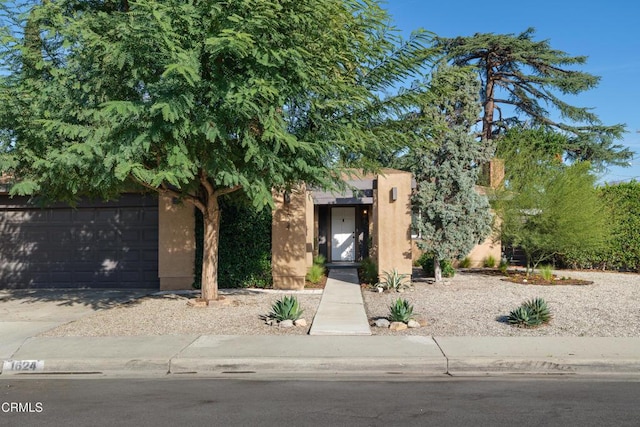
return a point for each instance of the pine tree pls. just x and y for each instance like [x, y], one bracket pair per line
[529, 75]
[453, 216]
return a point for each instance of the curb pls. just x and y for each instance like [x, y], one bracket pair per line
[275, 365]
[92, 367]
[551, 366]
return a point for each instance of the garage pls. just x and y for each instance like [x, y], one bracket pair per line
[93, 245]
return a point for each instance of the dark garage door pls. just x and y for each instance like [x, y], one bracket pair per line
[95, 245]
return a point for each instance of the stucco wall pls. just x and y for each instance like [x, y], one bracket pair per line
[392, 222]
[176, 244]
[309, 230]
[490, 247]
[289, 240]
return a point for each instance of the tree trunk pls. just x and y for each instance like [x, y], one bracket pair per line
[489, 106]
[211, 220]
[437, 272]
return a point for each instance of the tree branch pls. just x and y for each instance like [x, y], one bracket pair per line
[222, 191]
[167, 191]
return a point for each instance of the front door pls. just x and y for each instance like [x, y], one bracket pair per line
[343, 230]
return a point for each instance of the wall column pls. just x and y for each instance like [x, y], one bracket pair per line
[392, 222]
[289, 239]
[176, 244]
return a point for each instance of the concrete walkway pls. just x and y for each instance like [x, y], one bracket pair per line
[341, 310]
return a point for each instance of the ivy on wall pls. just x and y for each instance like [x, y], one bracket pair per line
[622, 249]
[245, 246]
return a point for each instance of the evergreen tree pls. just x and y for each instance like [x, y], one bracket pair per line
[198, 99]
[528, 75]
[453, 215]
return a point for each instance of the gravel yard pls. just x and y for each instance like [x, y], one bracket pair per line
[238, 314]
[470, 304]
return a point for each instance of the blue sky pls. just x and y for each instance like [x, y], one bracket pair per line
[608, 32]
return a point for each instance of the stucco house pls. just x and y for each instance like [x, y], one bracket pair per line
[145, 241]
[372, 218]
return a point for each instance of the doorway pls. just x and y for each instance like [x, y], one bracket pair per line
[343, 234]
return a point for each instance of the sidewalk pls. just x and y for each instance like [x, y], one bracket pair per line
[341, 310]
[339, 355]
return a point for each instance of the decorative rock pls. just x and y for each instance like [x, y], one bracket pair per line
[300, 322]
[421, 320]
[398, 326]
[286, 324]
[271, 322]
[380, 289]
[413, 324]
[382, 323]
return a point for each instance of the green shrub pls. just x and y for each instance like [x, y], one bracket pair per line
[400, 311]
[465, 262]
[447, 268]
[394, 281]
[489, 262]
[504, 266]
[286, 308]
[319, 260]
[315, 273]
[426, 262]
[546, 272]
[530, 314]
[368, 271]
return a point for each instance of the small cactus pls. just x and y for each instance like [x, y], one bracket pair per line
[530, 314]
[401, 311]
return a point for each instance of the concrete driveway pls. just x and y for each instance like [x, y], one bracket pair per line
[26, 313]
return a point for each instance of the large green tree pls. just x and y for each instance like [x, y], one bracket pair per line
[547, 207]
[197, 99]
[527, 77]
[454, 217]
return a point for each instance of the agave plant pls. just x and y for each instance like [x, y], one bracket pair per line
[401, 311]
[287, 308]
[394, 280]
[530, 314]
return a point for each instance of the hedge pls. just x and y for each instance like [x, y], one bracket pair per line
[622, 250]
[245, 246]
